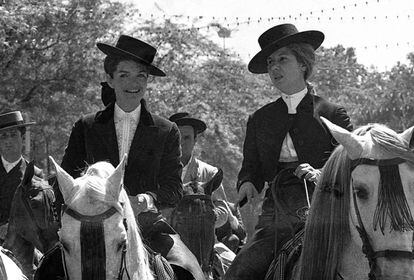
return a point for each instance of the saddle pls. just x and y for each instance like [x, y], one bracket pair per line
[282, 267]
[290, 195]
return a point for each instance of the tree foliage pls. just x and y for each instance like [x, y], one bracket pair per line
[49, 65]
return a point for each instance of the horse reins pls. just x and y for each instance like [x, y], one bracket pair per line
[367, 247]
[99, 218]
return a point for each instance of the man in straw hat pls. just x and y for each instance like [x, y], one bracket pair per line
[285, 143]
[152, 143]
[13, 165]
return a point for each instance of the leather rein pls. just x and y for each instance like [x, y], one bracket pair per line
[367, 247]
[99, 218]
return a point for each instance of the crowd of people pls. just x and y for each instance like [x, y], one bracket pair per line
[161, 168]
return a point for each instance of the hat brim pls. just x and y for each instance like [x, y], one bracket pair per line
[111, 50]
[258, 64]
[199, 126]
[17, 126]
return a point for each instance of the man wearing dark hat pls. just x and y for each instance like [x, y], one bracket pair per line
[285, 147]
[152, 143]
[13, 165]
[194, 169]
[196, 173]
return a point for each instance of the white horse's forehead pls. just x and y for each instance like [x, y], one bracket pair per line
[370, 174]
[113, 228]
[101, 169]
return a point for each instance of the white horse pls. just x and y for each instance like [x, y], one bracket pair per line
[99, 235]
[9, 270]
[361, 224]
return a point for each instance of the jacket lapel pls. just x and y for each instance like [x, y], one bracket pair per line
[144, 136]
[105, 127]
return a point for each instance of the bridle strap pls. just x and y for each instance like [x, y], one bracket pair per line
[123, 267]
[376, 162]
[86, 218]
[394, 254]
[366, 244]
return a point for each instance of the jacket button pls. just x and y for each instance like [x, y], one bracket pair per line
[295, 130]
[300, 142]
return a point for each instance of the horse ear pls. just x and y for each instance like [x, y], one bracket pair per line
[353, 144]
[66, 182]
[28, 174]
[408, 135]
[115, 181]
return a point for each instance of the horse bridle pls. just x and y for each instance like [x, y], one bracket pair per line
[367, 248]
[99, 218]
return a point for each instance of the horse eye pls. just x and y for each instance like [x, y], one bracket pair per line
[361, 193]
[121, 245]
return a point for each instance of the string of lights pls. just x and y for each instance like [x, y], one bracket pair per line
[301, 14]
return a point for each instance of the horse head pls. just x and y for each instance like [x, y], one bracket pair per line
[366, 191]
[32, 219]
[99, 234]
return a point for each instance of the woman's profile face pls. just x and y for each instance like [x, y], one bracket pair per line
[285, 72]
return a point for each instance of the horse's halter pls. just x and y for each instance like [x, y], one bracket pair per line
[98, 219]
[367, 248]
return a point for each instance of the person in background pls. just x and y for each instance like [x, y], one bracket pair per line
[286, 134]
[196, 174]
[13, 164]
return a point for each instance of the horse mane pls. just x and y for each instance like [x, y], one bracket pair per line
[137, 255]
[327, 229]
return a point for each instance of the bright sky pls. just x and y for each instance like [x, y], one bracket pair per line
[382, 31]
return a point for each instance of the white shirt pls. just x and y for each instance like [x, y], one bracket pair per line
[10, 165]
[185, 168]
[125, 126]
[288, 152]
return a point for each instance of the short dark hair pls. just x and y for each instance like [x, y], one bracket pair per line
[111, 63]
[305, 54]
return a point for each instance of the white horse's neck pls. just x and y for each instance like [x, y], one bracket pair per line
[12, 270]
[354, 264]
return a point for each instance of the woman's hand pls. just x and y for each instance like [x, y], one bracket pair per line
[306, 171]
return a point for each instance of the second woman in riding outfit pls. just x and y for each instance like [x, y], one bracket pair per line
[286, 134]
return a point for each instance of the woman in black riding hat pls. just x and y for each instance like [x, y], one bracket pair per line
[286, 134]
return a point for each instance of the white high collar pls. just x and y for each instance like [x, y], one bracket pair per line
[292, 100]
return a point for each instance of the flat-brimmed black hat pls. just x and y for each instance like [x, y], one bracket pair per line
[134, 49]
[12, 120]
[280, 36]
[184, 118]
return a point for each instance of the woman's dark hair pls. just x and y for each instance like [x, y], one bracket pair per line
[305, 54]
[112, 61]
